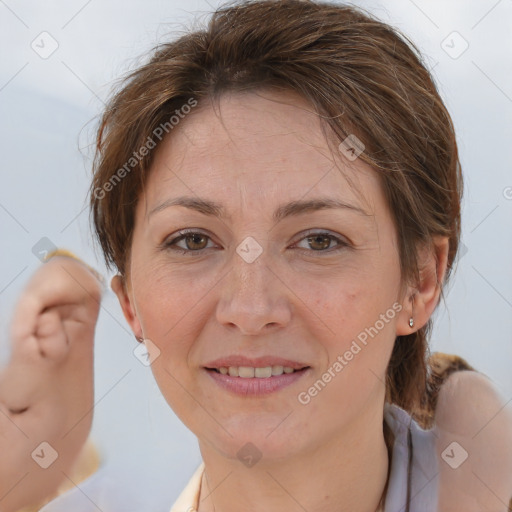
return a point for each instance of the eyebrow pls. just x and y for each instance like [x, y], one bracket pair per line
[292, 208]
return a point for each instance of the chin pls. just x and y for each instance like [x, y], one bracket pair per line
[252, 443]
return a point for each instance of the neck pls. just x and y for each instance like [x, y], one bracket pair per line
[346, 473]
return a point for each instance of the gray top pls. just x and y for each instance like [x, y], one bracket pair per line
[416, 448]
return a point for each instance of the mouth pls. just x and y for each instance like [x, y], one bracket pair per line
[251, 372]
[258, 379]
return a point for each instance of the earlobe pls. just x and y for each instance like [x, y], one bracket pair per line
[424, 297]
[407, 321]
[118, 285]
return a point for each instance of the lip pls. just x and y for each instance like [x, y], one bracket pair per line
[257, 362]
[256, 386]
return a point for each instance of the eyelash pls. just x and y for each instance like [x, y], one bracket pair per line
[189, 252]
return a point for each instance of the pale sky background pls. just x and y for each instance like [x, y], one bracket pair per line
[47, 125]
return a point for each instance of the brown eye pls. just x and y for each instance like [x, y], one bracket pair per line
[189, 242]
[319, 242]
[196, 241]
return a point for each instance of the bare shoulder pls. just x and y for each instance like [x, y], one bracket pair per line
[473, 424]
[468, 401]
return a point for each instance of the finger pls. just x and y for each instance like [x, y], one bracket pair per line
[24, 323]
[51, 337]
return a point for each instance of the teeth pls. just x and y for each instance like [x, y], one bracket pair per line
[245, 372]
[277, 370]
[263, 372]
[248, 372]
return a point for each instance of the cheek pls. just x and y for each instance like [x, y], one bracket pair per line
[166, 298]
[348, 300]
[352, 315]
[171, 309]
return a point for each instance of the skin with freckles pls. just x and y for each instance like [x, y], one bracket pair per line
[323, 277]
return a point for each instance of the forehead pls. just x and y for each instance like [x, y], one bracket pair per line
[255, 149]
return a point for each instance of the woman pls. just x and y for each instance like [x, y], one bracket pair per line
[280, 194]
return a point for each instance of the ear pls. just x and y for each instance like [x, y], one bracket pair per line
[119, 287]
[421, 300]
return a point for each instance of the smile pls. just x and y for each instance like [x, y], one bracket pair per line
[250, 381]
[249, 372]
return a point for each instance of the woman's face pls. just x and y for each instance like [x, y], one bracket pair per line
[266, 277]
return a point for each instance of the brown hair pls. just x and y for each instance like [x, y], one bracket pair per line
[359, 74]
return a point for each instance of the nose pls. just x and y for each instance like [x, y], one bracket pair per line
[254, 298]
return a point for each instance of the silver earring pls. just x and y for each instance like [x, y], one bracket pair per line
[411, 319]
